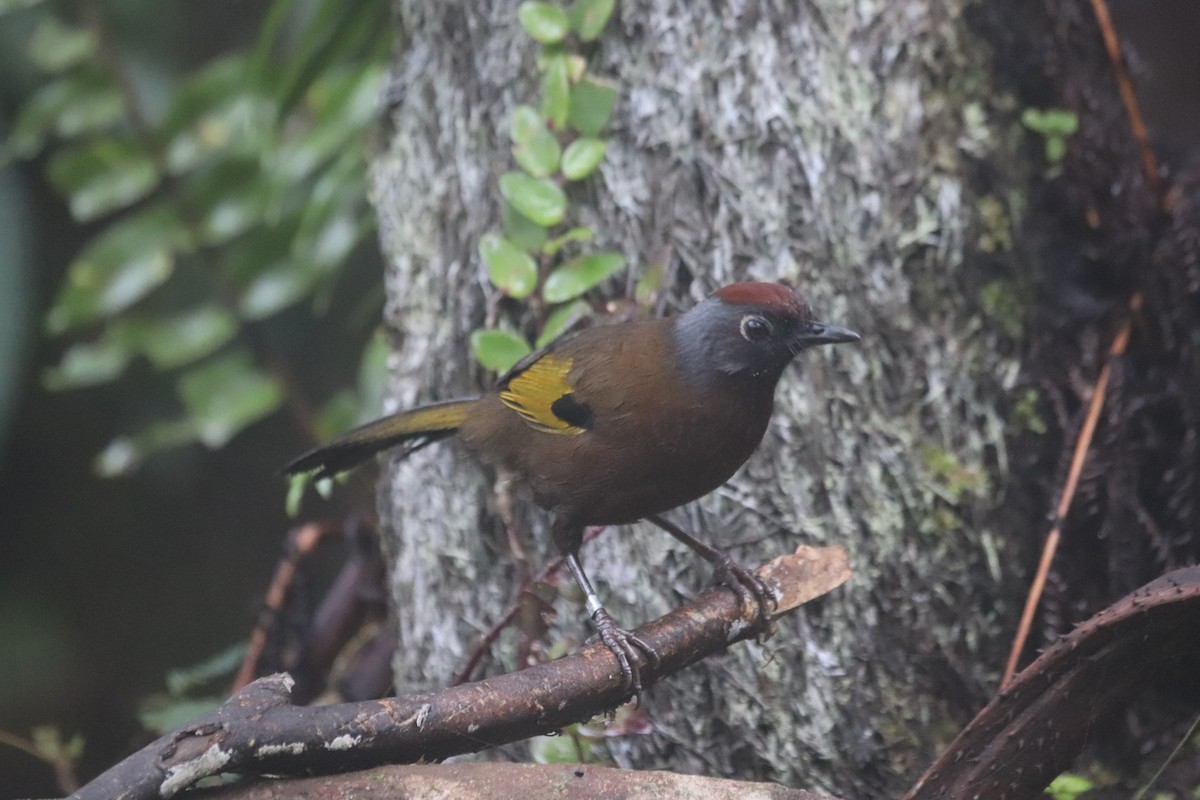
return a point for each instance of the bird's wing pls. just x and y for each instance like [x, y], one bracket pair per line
[539, 389]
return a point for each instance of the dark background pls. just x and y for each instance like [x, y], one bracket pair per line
[106, 584]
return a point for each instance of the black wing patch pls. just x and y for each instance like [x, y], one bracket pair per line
[572, 411]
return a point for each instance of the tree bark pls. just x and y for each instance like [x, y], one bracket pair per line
[834, 144]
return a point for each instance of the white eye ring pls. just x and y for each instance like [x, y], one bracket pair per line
[755, 328]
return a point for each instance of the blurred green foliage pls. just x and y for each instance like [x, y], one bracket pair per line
[218, 201]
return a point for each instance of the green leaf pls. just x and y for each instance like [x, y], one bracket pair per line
[125, 453]
[562, 749]
[559, 242]
[79, 103]
[215, 110]
[526, 123]
[55, 47]
[231, 196]
[335, 216]
[1056, 149]
[591, 106]
[521, 230]
[52, 746]
[124, 264]
[648, 286]
[562, 320]
[173, 341]
[225, 395]
[161, 714]
[545, 22]
[497, 349]
[218, 667]
[334, 33]
[580, 274]
[582, 157]
[1051, 122]
[342, 108]
[536, 198]
[588, 17]
[556, 90]
[274, 289]
[322, 247]
[576, 67]
[103, 176]
[1068, 786]
[510, 268]
[539, 154]
[88, 364]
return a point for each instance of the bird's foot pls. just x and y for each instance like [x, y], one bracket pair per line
[747, 585]
[629, 650]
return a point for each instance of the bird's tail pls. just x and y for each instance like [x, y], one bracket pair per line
[414, 428]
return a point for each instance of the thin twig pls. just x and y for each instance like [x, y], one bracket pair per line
[1128, 97]
[300, 542]
[1078, 458]
[64, 769]
[1084, 442]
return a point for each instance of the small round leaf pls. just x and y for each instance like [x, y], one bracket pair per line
[545, 22]
[103, 175]
[225, 395]
[498, 349]
[582, 157]
[591, 106]
[536, 198]
[520, 230]
[556, 90]
[509, 267]
[526, 123]
[562, 320]
[539, 155]
[588, 17]
[580, 274]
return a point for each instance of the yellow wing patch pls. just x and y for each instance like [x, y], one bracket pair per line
[534, 392]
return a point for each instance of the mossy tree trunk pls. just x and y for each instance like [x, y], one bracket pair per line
[842, 146]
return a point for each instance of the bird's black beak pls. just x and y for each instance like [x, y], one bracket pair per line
[815, 333]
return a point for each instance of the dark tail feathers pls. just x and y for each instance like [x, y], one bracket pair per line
[418, 427]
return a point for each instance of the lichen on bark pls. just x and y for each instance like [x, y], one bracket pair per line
[828, 143]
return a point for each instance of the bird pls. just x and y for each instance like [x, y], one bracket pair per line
[618, 423]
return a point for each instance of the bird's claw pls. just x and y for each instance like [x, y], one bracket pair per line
[628, 648]
[747, 585]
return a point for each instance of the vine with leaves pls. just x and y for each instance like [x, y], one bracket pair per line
[537, 255]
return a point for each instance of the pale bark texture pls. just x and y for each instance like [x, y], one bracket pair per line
[833, 144]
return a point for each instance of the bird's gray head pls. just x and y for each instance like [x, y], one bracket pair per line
[750, 329]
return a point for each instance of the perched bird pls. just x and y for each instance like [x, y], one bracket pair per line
[623, 422]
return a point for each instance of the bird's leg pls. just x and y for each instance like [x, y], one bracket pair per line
[623, 644]
[744, 583]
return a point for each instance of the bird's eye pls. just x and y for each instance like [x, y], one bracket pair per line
[755, 328]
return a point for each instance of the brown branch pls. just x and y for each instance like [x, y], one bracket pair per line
[1033, 729]
[258, 731]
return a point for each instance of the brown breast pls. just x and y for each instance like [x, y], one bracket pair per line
[655, 441]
